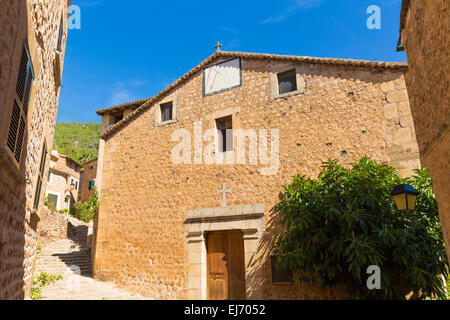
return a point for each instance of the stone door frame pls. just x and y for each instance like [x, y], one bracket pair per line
[250, 219]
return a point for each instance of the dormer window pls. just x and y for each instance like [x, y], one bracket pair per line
[167, 111]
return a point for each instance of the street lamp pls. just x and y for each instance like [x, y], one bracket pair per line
[405, 197]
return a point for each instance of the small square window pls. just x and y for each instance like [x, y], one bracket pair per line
[167, 111]
[280, 275]
[287, 81]
[118, 118]
[225, 133]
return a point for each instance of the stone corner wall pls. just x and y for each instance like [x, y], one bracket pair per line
[52, 227]
[425, 38]
[402, 143]
[36, 24]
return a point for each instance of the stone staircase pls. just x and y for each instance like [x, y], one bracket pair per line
[72, 259]
[64, 256]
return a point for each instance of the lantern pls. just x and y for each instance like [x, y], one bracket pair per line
[405, 197]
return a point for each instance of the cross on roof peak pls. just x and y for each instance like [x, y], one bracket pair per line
[218, 45]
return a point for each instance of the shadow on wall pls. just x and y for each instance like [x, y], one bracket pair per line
[259, 279]
[78, 234]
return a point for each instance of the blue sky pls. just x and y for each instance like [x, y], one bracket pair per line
[129, 50]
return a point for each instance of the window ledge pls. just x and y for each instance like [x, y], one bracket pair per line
[288, 94]
[164, 123]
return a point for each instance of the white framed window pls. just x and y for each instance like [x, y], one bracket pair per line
[52, 198]
[91, 184]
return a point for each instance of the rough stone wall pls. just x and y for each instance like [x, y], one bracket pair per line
[425, 37]
[35, 23]
[52, 227]
[345, 113]
[88, 175]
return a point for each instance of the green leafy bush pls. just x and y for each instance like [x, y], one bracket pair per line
[86, 211]
[42, 281]
[337, 226]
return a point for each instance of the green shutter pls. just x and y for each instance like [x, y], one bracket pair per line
[37, 195]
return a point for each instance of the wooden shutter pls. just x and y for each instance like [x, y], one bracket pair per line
[21, 80]
[37, 195]
[13, 126]
[17, 125]
[19, 142]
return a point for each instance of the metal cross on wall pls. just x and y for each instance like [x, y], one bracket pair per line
[224, 192]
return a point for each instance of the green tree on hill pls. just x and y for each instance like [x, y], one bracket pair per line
[77, 140]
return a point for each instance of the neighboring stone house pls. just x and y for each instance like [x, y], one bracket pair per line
[111, 116]
[88, 179]
[175, 223]
[64, 183]
[33, 37]
[424, 30]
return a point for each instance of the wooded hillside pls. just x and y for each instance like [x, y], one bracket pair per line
[77, 140]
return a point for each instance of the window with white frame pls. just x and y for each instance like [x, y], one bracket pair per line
[91, 185]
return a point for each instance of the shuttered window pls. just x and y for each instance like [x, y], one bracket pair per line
[37, 195]
[17, 125]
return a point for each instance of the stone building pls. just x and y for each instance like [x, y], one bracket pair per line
[33, 37]
[63, 185]
[88, 179]
[424, 33]
[189, 177]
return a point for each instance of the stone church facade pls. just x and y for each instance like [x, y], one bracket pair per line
[33, 35]
[169, 216]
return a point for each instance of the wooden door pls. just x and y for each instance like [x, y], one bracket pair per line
[226, 266]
